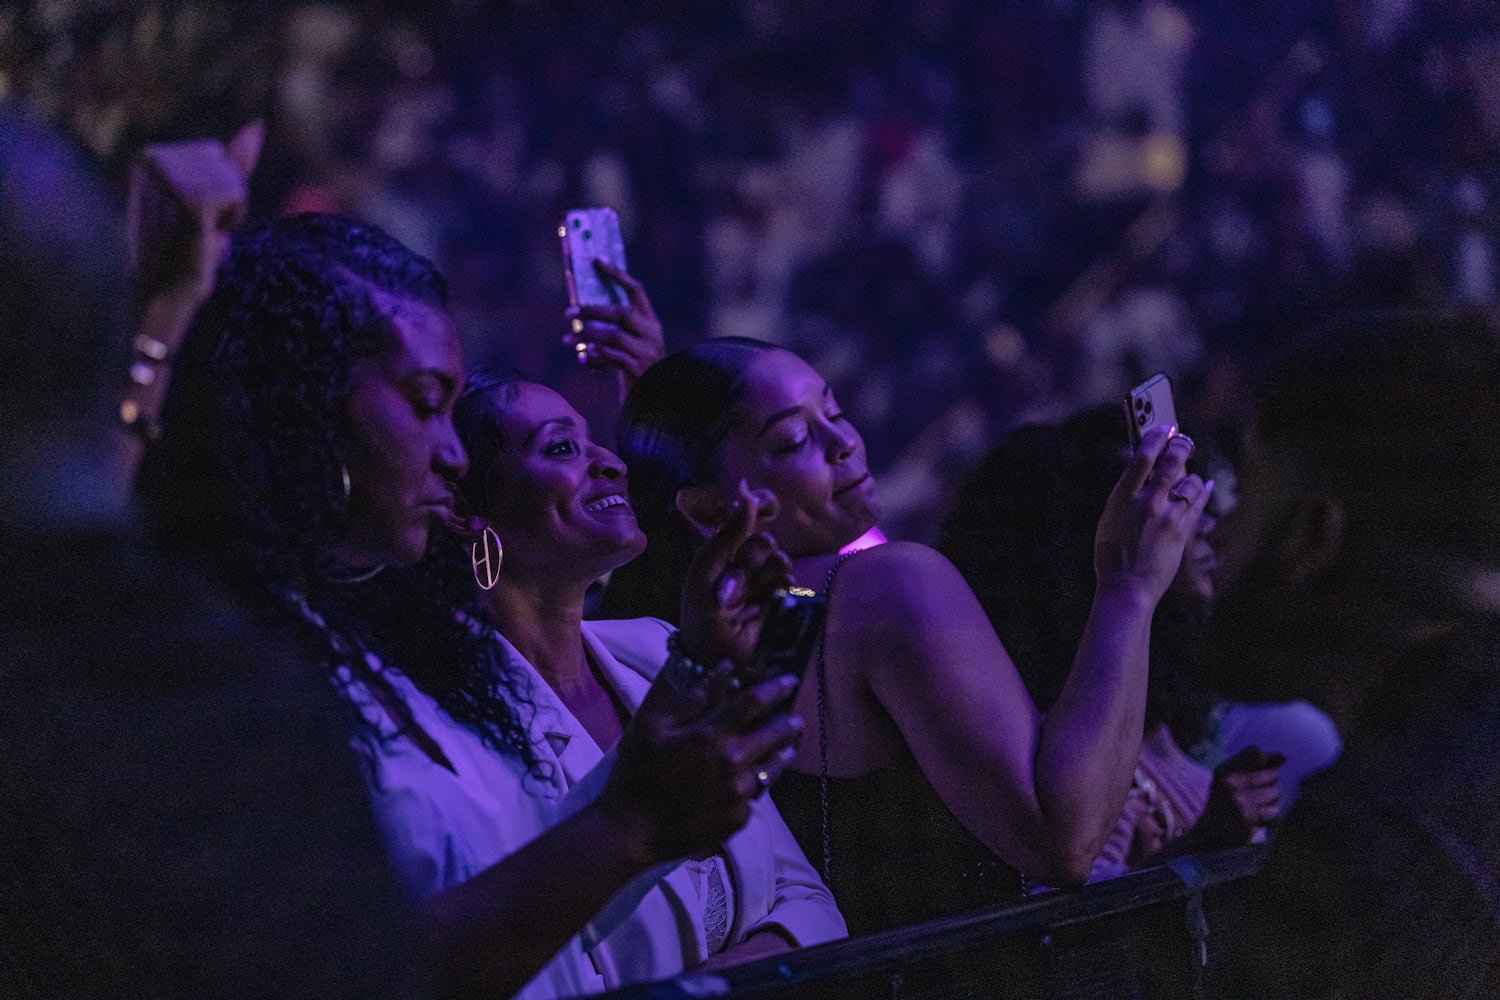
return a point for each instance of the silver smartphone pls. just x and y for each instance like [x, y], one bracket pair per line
[1150, 404]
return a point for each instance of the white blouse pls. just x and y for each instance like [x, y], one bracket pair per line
[443, 827]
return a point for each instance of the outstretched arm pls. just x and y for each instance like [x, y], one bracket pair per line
[1043, 794]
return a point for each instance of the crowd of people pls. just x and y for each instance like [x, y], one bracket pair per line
[1017, 205]
[308, 685]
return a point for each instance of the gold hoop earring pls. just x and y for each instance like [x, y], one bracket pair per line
[485, 556]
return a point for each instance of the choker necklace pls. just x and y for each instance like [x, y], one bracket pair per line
[359, 576]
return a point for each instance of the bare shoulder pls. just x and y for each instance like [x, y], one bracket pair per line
[897, 573]
[899, 589]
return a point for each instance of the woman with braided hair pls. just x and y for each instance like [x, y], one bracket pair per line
[308, 452]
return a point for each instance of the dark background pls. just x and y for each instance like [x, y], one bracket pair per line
[966, 214]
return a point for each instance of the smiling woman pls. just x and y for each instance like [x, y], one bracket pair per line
[557, 501]
[931, 778]
[309, 453]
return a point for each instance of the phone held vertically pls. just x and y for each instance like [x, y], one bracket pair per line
[590, 234]
[1149, 405]
[794, 621]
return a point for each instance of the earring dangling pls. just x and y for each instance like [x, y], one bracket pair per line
[344, 478]
[486, 563]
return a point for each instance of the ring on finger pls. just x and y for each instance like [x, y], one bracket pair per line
[1192, 445]
[1176, 495]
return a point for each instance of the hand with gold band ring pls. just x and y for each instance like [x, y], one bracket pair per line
[1178, 494]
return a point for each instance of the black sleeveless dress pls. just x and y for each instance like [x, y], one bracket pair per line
[896, 855]
[892, 853]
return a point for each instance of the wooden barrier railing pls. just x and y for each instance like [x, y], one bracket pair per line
[1158, 933]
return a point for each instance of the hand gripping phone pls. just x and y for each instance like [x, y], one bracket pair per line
[793, 624]
[1149, 405]
[590, 234]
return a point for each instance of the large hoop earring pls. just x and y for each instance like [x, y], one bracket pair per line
[485, 556]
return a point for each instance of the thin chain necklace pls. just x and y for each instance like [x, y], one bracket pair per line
[823, 721]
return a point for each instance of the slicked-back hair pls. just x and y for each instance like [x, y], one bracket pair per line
[669, 435]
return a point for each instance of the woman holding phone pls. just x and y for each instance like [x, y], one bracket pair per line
[308, 453]
[927, 778]
[553, 501]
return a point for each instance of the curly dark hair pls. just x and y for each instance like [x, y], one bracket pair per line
[673, 422]
[249, 472]
[1021, 532]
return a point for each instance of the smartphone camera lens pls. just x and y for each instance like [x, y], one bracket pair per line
[1140, 418]
[1140, 404]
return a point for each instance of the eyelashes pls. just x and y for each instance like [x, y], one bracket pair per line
[791, 447]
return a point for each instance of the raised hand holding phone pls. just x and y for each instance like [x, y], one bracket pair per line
[1150, 404]
[612, 323]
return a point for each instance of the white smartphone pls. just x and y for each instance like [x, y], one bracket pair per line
[590, 234]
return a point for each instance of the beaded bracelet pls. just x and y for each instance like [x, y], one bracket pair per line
[681, 668]
[151, 354]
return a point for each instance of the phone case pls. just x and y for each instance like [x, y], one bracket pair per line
[787, 637]
[1148, 405]
[590, 234]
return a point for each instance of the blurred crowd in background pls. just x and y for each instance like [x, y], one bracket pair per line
[966, 213]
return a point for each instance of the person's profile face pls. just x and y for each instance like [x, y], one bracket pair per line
[555, 497]
[1195, 578]
[789, 435]
[403, 452]
[1246, 526]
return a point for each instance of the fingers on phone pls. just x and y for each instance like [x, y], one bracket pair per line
[764, 743]
[611, 316]
[759, 702]
[1138, 469]
[634, 289]
[616, 274]
[770, 571]
[599, 355]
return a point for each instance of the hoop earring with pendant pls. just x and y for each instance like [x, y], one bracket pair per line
[485, 556]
